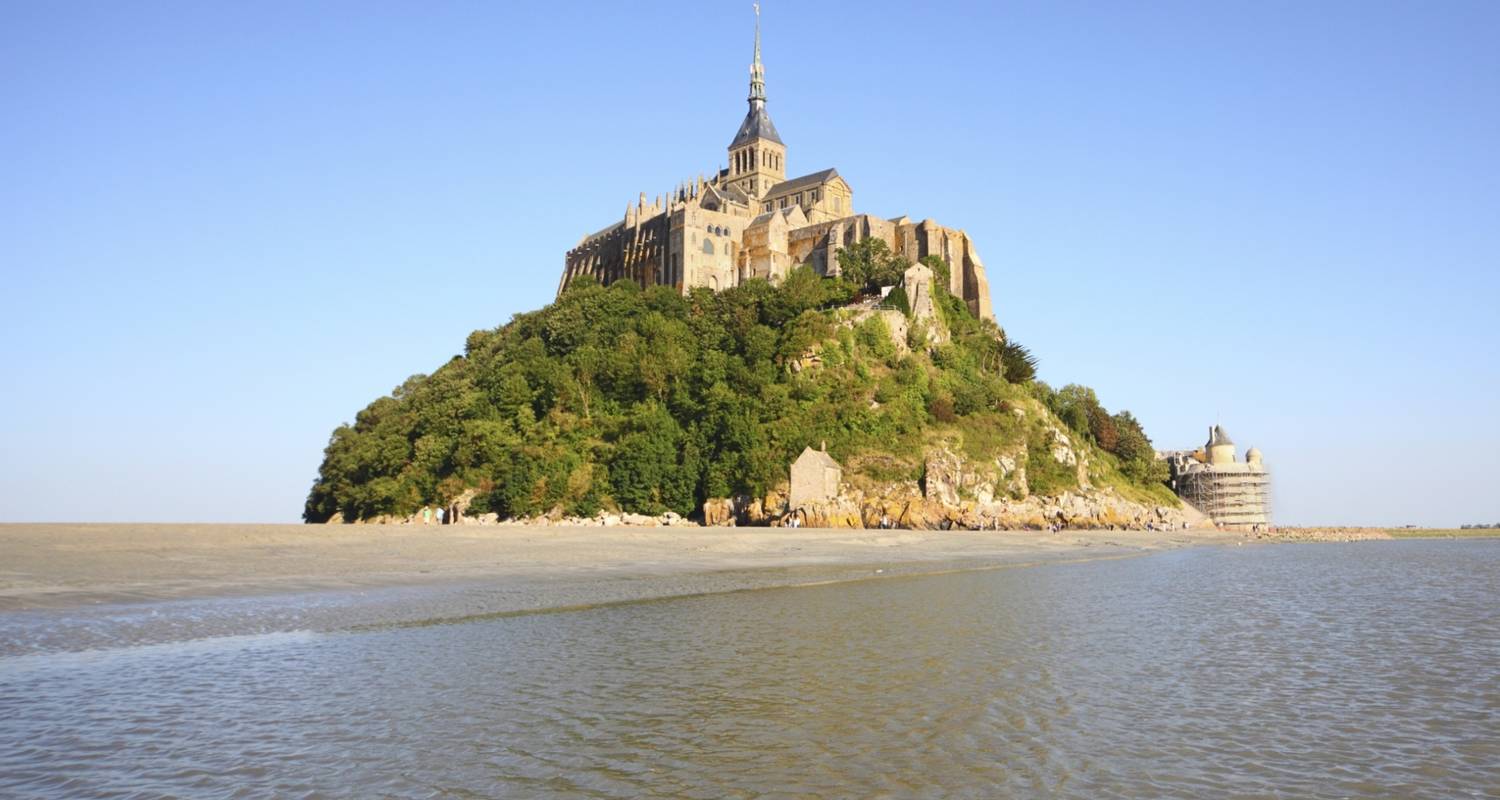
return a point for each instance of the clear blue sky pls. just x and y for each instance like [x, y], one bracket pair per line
[226, 227]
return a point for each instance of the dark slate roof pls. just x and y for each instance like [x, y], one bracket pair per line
[602, 232]
[815, 179]
[1218, 437]
[757, 124]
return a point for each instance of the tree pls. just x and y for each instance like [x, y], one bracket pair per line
[1018, 364]
[870, 264]
[644, 471]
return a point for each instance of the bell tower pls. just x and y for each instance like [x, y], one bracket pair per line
[757, 156]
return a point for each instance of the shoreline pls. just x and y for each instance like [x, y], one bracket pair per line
[75, 588]
[63, 566]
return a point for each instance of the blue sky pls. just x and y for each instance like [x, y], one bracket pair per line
[225, 228]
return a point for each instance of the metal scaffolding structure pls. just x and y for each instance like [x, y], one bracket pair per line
[1232, 498]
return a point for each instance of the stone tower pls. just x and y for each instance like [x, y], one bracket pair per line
[757, 156]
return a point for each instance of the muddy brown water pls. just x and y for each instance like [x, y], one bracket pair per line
[1309, 671]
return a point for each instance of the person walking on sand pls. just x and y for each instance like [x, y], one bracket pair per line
[426, 515]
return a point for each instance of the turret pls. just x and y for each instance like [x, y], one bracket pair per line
[1219, 448]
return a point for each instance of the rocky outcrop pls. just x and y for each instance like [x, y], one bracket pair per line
[942, 476]
[718, 511]
[459, 506]
[954, 493]
[1320, 534]
[839, 512]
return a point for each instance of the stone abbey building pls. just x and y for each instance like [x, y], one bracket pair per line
[749, 220]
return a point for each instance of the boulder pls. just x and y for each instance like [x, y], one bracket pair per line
[459, 506]
[640, 520]
[718, 511]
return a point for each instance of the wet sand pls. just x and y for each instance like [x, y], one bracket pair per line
[62, 566]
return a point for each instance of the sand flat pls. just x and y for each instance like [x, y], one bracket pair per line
[63, 565]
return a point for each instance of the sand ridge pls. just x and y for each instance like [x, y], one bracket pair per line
[61, 565]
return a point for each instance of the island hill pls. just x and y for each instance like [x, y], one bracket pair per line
[713, 337]
[623, 400]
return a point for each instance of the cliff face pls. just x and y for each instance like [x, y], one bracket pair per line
[958, 492]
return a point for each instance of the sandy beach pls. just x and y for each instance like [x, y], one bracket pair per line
[63, 566]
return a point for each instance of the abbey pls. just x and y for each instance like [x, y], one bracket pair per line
[748, 220]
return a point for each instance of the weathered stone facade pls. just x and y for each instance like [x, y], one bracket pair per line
[815, 478]
[748, 221]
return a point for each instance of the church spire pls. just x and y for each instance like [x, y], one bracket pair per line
[757, 72]
[757, 154]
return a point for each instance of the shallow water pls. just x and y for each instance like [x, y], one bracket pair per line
[1357, 670]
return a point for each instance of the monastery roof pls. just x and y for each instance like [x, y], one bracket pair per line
[820, 457]
[757, 125]
[601, 233]
[815, 179]
[784, 213]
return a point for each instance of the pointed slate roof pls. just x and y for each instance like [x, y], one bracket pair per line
[757, 125]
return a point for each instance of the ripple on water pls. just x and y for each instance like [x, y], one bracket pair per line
[1310, 671]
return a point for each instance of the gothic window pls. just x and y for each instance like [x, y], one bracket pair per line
[783, 202]
[708, 247]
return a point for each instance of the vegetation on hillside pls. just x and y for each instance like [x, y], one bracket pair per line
[644, 400]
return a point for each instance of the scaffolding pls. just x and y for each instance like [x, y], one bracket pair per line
[1235, 495]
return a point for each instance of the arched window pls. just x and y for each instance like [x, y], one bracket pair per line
[708, 247]
[726, 248]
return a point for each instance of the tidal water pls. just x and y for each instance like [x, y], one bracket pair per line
[1306, 671]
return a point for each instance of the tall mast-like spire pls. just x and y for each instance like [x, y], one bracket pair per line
[757, 72]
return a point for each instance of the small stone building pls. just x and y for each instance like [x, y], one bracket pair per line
[815, 478]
